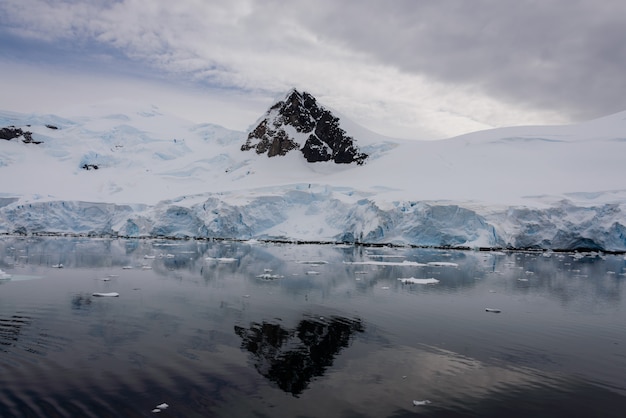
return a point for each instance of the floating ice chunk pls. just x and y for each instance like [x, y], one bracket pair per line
[4, 275]
[522, 280]
[267, 276]
[163, 406]
[413, 280]
[493, 310]
[313, 262]
[404, 263]
[385, 287]
[221, 259]
[420, 403]
[156, 410]
[57, 266]
[127, 268]
[442, 264]
[149, 257]
[106, 295]
[312, 272]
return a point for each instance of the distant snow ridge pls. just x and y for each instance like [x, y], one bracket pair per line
[298, 122]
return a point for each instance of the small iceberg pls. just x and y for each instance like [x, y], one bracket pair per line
[442, 264]
[413, 280]
[106, 295]
[4, 275]
[267, 276]
[313, 262]
[221, 259]
[160, 408]
[420, 403]
[57, 266]
[493, 310]
[404, 263]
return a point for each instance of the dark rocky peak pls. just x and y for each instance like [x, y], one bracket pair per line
[299, 122]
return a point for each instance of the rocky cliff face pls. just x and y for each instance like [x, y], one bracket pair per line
[299, 123]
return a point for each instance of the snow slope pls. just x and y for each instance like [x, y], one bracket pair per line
[556, 187]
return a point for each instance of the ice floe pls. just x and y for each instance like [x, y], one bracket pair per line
[442, 264]
[413, 280]
[106, 295]
[493, 310]
[404, 263]
[160, 408]
[267, 276]
[221, 259]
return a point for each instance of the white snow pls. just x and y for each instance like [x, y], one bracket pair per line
[550, 187]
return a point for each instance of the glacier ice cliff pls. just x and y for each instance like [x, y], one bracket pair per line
[329, 215]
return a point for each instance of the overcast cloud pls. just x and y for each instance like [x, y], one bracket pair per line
[403, 68]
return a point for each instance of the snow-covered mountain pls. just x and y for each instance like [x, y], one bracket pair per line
[126, 169]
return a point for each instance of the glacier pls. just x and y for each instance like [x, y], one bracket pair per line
[541, 187]
[327, 216]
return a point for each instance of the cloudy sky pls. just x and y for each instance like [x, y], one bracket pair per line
[404, 68]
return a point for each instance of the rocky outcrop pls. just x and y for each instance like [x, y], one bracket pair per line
[298, 122]
[11, 132]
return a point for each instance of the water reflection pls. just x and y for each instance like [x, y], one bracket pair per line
[291, 358]
[226, 328]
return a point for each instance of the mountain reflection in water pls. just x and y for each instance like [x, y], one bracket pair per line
[292, 358]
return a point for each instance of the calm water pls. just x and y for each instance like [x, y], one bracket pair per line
[241, 329]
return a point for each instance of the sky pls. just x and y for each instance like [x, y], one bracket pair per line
[412, 69]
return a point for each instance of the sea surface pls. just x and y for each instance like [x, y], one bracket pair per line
[250, 329]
